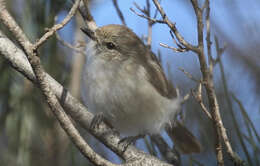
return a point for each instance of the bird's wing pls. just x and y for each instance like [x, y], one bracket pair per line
[157, 78]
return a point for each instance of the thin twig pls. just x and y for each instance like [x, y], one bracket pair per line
[173, 28]
[171, 156]
[229, 102]
[74, 108]
[220, 51]
[86, 15]
[189, 75]
[245, 115]
[66, 44]
[150, 24]
[210, 58]
[56, 27]
[179, 45]
[148, 18]
[198, 96]
[119, 13]
[173, 48]
[185, 98]
[207, 75]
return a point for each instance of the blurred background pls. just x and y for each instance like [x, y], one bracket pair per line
[30, 135]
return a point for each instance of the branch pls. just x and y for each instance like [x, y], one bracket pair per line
[173, 48]
[169, 154]
[56, 27]
[119, 13]
[210, 58]
[207, 75]
[64, 43]
[229, 102]
[189, 75]
[153, 20]
[42, 82]
[247, 118]
[198, 97]
[78, 112]
[173, 28]
[208, 83]
[86, 15]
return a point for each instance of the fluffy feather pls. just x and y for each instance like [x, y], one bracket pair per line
[125, 96]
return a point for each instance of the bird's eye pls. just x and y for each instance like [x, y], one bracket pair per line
[110, 45]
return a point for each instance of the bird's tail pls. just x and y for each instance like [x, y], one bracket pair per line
[183, 139]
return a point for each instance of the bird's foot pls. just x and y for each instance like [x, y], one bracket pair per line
[97, 119]
[126, 141]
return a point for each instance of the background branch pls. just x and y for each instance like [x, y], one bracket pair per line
[119, 13]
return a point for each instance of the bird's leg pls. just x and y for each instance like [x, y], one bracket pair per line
[126, 141]
[97, 119]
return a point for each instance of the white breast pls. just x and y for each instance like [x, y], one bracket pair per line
[128, 101]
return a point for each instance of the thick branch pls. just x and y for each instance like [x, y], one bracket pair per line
[51, 99]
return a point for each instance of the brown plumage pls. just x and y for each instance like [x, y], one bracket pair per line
[125, 81]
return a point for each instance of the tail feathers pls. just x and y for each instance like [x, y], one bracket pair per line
[183, 139]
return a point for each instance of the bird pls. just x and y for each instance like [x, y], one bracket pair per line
[124, 83]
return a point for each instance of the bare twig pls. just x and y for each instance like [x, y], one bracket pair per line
[150, 24]
[148, 18]
[185, 98]
[212, 98]
[119, 13]
[86, 15]
[179, 45]
[220, 51]
[229, 103]
[189, 75]
[173, 28]
[173, 48]
[66, 44]
[173, 157]
[209, 86]
[140, 9]
[255, 148]
[245, 115]
[198, 96]
[150, 147]
[56, 27]
[210, 58]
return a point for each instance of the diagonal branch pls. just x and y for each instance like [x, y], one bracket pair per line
[53, 89]
[56, 27]
[119, 13]
[42, 82]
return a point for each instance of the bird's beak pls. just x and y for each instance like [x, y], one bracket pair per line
[90, 33]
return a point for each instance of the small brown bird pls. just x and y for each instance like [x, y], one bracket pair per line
[124, 81]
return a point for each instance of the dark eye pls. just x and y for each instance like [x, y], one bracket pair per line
[110, 45]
